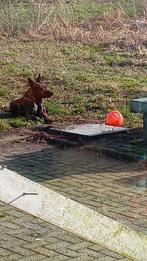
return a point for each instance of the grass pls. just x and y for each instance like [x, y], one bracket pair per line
[4, 91]
[84, 21]
[19, 122]
[88, 78]
[81, 76]
[20, 17]
[83, 10]
[4, 126]
[55, 108]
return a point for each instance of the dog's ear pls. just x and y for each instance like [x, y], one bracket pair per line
[38, 79]
[31, 82]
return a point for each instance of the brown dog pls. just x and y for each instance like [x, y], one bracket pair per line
[31, 104]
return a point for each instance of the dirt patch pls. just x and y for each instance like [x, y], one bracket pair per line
[20, 146]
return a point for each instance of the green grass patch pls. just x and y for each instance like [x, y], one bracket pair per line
[4, 91]
[83, 10]
[19, 122]
[78, 105]
[129, 83]
[4, 126]
[20, 17]
[113, 59]
[131, 7]
[55, 108]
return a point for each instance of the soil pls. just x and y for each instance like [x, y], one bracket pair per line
[38, 138]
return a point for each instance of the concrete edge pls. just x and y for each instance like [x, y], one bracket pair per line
[59, 210]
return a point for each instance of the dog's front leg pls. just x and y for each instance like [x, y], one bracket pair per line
[39, 110]
[45, 115]
[30, 110]
[42, 113]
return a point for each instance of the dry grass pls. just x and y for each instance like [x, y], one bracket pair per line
[117, 23]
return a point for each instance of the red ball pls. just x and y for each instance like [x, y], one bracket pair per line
[114, 118]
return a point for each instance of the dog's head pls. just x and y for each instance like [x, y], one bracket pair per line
[39, 90]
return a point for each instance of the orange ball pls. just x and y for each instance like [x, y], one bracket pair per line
[114, 118]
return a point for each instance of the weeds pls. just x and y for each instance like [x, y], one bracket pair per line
[85, 22]
[55, 108]
[4, 91]
[19, 122]
[4, 126]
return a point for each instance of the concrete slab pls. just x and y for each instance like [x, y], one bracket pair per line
[89, 130]
[138, 105]
[70, 215]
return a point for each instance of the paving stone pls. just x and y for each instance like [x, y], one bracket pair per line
[4, 252]
[57, 258]
[12, 257]
[67, 252]
[90, 252]
[36, 257]
[2, 258]
[59, 245]
[80, 245]
[110, 254]
[10, 225]
[34, 245]
[67, 238]
[96, 247]
[17, 232]
[84, 257]
[84, 177]
[44, 251]
[25, 252]
[107, 258]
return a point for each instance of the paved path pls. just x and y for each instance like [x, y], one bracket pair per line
[81, 175]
